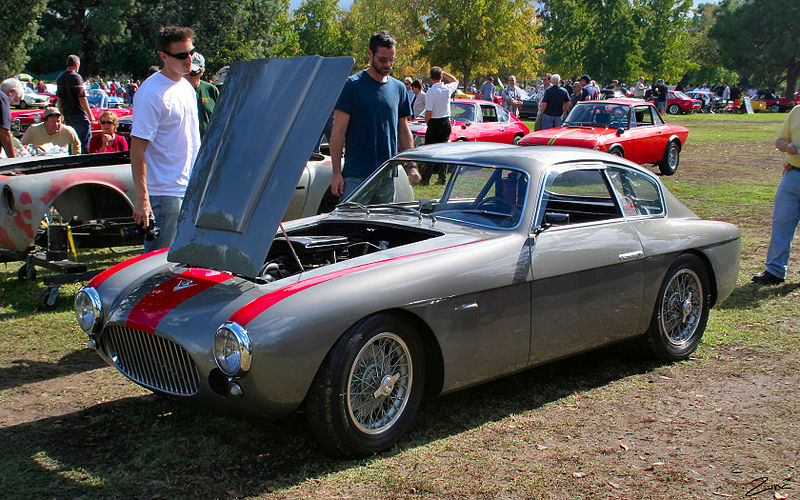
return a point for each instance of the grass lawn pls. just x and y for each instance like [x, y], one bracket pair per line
[607, 424]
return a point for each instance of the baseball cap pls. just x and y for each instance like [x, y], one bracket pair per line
[198, 62]
[50, 111]
[222, 74]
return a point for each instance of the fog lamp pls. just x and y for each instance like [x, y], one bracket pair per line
[88, 309]
[232, 348]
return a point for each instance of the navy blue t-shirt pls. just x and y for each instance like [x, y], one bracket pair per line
[555, 96]
[5, 111]
[375, 108]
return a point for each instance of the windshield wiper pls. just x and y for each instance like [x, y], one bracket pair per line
[353, 204]
[477, 211]
[581, 124]
[404, 208]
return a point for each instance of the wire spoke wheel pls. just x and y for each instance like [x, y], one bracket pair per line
[682, 306]
[379, 382]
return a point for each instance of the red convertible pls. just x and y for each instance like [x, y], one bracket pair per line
[21, 120]
[477, 120]
[630, 128]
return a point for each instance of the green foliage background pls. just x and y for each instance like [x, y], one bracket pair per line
[751, 42]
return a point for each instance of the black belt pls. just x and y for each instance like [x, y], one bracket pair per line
[795, 168]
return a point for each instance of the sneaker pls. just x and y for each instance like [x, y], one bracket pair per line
[766, 278]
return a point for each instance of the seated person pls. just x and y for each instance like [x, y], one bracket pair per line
[52, 131]
[108, 141]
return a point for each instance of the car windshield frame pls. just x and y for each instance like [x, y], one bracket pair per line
[488, 196]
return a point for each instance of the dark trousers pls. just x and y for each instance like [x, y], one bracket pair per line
[438, 131]
[83, 128]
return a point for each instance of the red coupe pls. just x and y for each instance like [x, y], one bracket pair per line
[631, 128]
[477, 120]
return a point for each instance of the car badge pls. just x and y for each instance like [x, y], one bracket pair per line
[183, 284]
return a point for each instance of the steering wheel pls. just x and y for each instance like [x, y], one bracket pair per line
[497, 202]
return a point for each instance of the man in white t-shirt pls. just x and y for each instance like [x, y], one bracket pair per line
[165, 137]
[437, 114]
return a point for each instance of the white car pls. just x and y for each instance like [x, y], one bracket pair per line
[33, 100]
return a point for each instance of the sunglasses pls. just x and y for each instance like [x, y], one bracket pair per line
[180, 55]
[106, 123]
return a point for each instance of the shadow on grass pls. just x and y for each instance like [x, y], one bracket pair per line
[147, 447]
[27, 371]
[751, 295]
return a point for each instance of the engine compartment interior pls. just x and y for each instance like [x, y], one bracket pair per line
[329, 242]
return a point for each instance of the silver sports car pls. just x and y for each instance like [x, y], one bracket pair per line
[403, 292]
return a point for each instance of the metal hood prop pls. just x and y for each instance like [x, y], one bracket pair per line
[265, 125]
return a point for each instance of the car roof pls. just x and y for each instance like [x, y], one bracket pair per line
[619, 100]
[532, 159]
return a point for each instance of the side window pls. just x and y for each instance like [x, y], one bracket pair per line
[638, 194]
[643, 116]
[582, 195]
[502, 114]
[489, 114]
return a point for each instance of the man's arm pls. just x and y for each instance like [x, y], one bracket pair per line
[5, 141]
[340, 122]
[786, 146]
[428, 115]
[542, 107]
[85, 106]
[141, 208]
[449, 77]
[74, 144]
[405, 141]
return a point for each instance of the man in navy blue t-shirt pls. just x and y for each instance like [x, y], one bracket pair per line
[554, 103]
[371, 117]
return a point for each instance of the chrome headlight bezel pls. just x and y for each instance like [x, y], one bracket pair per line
[88, 309]
[232, 351]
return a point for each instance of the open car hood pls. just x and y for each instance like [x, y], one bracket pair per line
[265, 125]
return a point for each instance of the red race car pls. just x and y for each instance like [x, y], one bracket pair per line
[775, 103]
[477, 120]
[679, 103]
[631, 128]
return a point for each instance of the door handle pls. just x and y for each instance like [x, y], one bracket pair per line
[638, 254]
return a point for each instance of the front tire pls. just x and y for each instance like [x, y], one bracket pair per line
[22, 104]
[681, 310]
[672, 157]
[674, 109]
[369, 388]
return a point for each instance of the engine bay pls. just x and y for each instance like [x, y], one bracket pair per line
[326, 243]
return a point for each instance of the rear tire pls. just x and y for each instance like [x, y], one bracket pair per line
[672, 157]
[22, 104]
[674, 109]
[617, 151]
[681, 310]
[516, 139]
[369, 388]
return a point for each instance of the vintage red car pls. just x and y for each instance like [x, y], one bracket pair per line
[477, 120]
[21, 120]
[775, 103]
[679, 103]
[630, 128]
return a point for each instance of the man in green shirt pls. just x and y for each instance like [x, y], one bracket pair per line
[207, 94]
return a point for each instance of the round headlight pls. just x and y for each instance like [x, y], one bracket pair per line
[37, 118]
[88, 309]
[232, 348]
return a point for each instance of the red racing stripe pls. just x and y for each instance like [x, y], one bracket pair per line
[257, 306]
[149, 311]
[100, 278]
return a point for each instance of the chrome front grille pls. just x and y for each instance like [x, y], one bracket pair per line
[150, 360]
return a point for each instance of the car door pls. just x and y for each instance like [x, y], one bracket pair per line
[647, 140]
[490, 127]
[587, 265]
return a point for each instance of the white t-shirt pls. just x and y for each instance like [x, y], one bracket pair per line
[165, 113]
[419, 104]
[437, 100]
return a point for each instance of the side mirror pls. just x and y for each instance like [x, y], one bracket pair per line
[620, 131]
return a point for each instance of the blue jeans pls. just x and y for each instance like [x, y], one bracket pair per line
[549, 121]
[661, 105]
[165, 211]
[785, 217]
[82, 128]
[350, 185]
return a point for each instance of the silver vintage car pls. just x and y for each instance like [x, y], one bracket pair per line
[403, 292]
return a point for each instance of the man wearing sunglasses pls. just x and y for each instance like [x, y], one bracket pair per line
[165, 136]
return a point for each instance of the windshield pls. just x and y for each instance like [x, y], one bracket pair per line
[486, 196]
[681, 95]
[599, 114]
